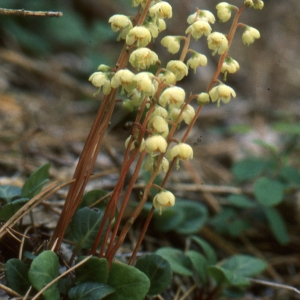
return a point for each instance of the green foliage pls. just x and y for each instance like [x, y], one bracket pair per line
[15, 197]
[44, 268]
[16, 274]
[90, 291]
[186, 217]
[158, 270]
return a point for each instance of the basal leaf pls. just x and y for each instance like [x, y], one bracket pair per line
[16, 274]
[207, 249]
[158, 270]
[268, 192]
[248, 168]
[241, 201]
[129, 282]
[180, 263]
[8, 210]
[10, 192]
[90, 291]
[84, 226]
[35, 182]
[44, 268]
[199, 263]
[93, 270]
[277, 225]
[91, 197]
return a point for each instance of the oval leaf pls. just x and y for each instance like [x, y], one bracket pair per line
[84, 226]
[44, 268]
[8, 210]
[35, 182]
[129, 282]
[268, 192]
[180, 264]
[16, 274]
[241, 201]
[277, 225]
[10, 192]
[199, 265]
[208, 250]
[90, 291]
[158, 271]
[93, 270]
[248, 168]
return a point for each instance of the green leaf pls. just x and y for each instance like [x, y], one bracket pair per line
[248, 168]
[93, 270]
[209, 252]
[287, 128]
[35, 182]
[8, 210]
[244, 265]
[9, 192]
[158, 270]
[277, 225]
[268, 192]
[290, 174]
[241, 201]
[64, 284]
[237, 226]
[129, 282]
[91, 197]
[200, 264]
[226, 277]
[90, 291]
[16, 274]
[266, 145]
[180, 263]
[168, 220]
[44, 268]
[84, 226]
[195, 216]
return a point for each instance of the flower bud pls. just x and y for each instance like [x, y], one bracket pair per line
[161, 25]
[143, 58]
[120, 23]
[156, 143]
[196, 61]
[249, 35]
[161, 9]
[218, 42]
[248, 3]
[138, 2]
[223, 93]
[135, 144]
[159, 111]
[178, 68]
[182, 151]
[144, 84]
[173, 96]
[258, 4]
[104, 68]
[224, 11]
[159, 126]
[99, 79]
[230, 65]
[203, 99]
[139, 34]
[172, 43]
[198, 28]
[163, 200]
[188, 114]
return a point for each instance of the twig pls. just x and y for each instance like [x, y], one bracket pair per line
[9, 291]
[29, 13]
[275, 285]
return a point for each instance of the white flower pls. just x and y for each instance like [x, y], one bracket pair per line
[120, 23]
[218, 42]
[144, 84]
[178, 68]
[159, 126]
[150, 164]
[167, 77]
[199, 28]
[156, 143]
[224, 11]
[163, 200]
[203, 99]
[99, 79]
[139, 34]
[230, 65]
[162, 9]
[223, 93]
[196, 61]
[202, 15]
[181, 151]
[143, 58]
[249, 35]
[135, 144]
[172, 43]
[123, 78]
[173, 96]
